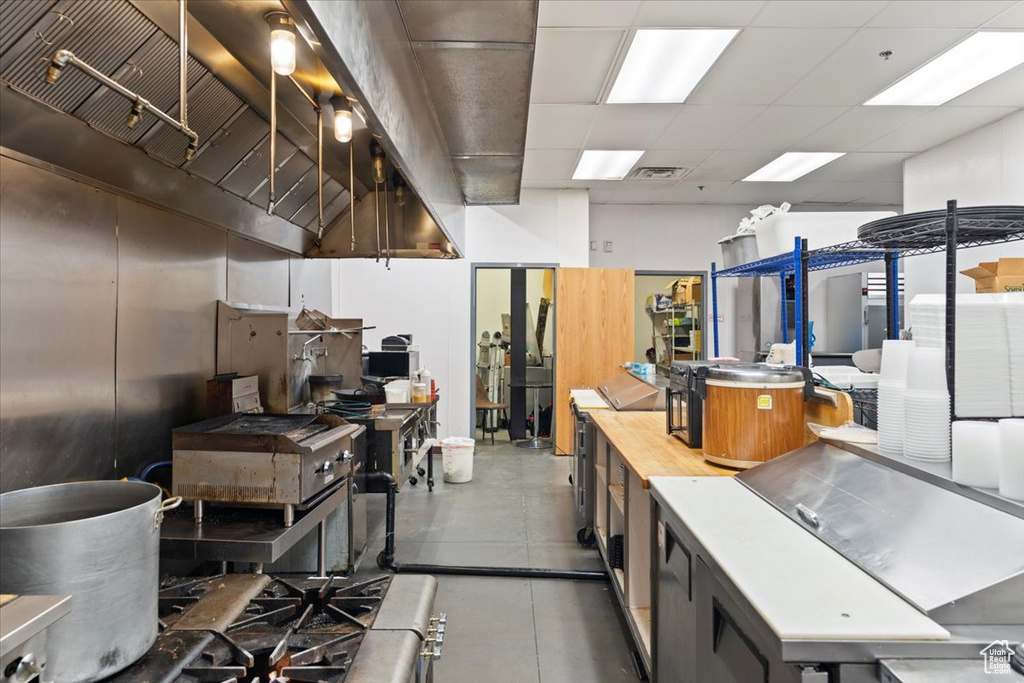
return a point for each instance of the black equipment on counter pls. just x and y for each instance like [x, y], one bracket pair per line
[684, 406]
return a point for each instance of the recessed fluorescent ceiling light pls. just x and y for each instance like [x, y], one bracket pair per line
[601, 164]
[665, 65]
[980, 58]
[791, 166]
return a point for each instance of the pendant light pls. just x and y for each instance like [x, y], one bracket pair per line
[342, 118]
[282, 42]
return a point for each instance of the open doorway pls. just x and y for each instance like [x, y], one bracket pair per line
[669, 318]
[513, 327]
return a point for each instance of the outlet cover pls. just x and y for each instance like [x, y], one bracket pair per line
[593, 245]
[608, 246]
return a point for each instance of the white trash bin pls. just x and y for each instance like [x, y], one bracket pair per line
[457, 459]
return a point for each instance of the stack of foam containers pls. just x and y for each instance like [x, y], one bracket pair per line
[926, 406]
[1011, 459]
[891, 395]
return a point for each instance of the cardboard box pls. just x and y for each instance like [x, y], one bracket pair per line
[685, 290]
[1004, 275]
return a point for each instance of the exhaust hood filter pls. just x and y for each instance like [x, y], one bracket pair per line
[253, 171]
[210, 104]
[228, 145]
[144, 72]
[86, 32]
[306, 215]
[299, 194]
[288, 173]
[19, 17]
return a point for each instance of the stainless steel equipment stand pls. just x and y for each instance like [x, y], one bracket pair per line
[536, 442]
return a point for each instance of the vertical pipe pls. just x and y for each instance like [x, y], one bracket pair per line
[182, 64]
[798, 318]
[376, 215]
[951, 240]
[803, 302]
[273, 140]
[896, 321]
[785, 308]
[387, 228]
[319, 173]
[714, 304]
[321, 549]
[352, 193]
[891, 294]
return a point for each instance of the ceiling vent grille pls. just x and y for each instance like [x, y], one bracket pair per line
[660, 173]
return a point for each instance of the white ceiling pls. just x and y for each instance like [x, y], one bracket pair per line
[792, 80]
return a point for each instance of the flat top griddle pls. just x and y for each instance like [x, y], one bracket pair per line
[270, 433]
[295, 427]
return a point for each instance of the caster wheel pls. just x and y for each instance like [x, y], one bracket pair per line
[430, 484]
[585, 537]
[422, 472]
[413, 481]
[381, 561]
[570, 480]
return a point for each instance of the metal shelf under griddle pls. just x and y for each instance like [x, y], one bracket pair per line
[242, 535]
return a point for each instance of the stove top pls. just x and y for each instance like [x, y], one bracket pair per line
[255, 627]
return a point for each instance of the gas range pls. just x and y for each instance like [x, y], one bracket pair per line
[249, 628]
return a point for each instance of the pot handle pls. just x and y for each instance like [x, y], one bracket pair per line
[168, 504]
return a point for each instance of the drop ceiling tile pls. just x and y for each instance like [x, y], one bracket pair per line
[642, 191]
[678, 158]
[705, 14]
[570, 66]
[778, 128]
[548, 164]
[558, 126]
[706, 126]
[831, 14]
[765, 193]
[731, 166]
[1002, 91]
[855, 72]
[763, 63]
[694, 191]
[843, 193]
[629, 126]
[862, 167]
[1012, 18]
[859, 126]
[469, 20]
[946, 14]
[936, 127]
[565, 13]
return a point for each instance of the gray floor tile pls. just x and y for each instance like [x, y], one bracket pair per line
[563, 556]
[463, 554]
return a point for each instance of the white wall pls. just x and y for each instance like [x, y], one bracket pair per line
[431, 298]
[985, 166]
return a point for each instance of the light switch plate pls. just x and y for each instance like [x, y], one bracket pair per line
[593, 245]
[608, 246]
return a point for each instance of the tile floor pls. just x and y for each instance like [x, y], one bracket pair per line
[516, 512]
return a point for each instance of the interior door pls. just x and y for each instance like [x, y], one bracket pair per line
[593, 336]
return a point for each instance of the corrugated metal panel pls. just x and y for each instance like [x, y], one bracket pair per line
[89, 38]
[229, 146]
[254, 169]
[306, 216]
[153, 73]
[304, 190]
[19, 17]
[507, 21]
[210, 104]
[288, 173]
[490, 180]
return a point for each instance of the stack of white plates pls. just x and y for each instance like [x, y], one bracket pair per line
[982, 356]
[926, 320]
[976, 453]
[891, 389]
[1014, 303]
[1011, 459]
[926, 407]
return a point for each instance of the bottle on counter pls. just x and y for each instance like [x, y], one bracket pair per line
[428, 379]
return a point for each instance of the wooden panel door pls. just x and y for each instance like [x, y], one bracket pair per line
[593, 333]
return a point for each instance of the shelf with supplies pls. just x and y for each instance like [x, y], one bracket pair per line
[672, 333]
[889, 239]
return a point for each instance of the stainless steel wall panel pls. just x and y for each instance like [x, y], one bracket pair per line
[229, 145]
[311, 284]
[257, 274]
[505, 21]
[58, 298]
[490, 180]
[86, 32]
[210, 104]
[151, 71]
[481, 96]
[171, 274]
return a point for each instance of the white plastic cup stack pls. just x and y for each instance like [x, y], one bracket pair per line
[926, 406]
[982, 356]
[1011, 458]
[891, 388]
[1014, 309]
[976, 453]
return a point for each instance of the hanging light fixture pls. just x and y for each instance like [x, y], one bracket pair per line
[379, 162]
[398, 182]
[282, 42]
[342, 118]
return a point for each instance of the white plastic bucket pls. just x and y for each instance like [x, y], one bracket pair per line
[397, 391]
[457, 459]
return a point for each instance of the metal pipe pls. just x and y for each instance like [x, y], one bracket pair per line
[319, 156]
[386, 559]
[387, 229]
[376, 215]
[182, 63]
[273, 140]
[62, 58]
[309, 98]
[321, 549]
[352, 193]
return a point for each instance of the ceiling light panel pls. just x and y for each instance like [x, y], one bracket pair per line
[791, 165]
[980, 58]
[665, 65]
[601, 164]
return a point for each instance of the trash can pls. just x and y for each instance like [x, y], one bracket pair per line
[457, 459]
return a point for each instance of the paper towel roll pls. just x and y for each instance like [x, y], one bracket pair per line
[976, 454]
[1011, 458]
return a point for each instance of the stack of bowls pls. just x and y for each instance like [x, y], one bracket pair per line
[976, 453]
[982, 356]
[891, 388]
[926, 320]
[1011, 459]
[1014, 303]
[926, 406]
